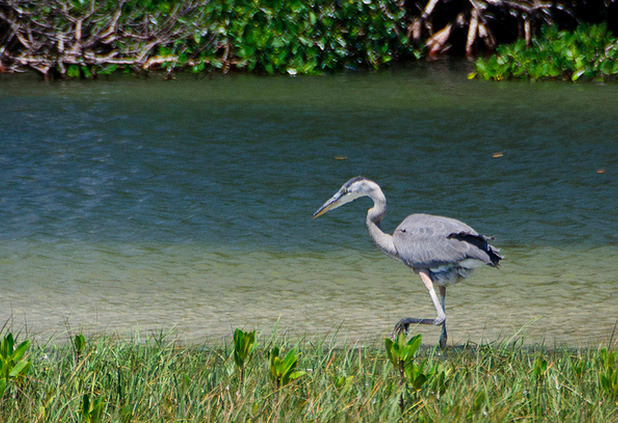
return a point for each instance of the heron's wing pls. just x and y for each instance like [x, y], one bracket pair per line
[426, 241]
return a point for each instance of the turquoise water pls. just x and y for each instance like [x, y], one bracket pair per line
[139, 205]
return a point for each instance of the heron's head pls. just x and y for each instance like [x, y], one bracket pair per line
[350, 191]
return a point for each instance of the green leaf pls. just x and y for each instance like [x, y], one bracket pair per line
[79, 341]
[413, 345]
[85, 407]
[312, 18]
[274, 356]
[388, 344]
[20, 351]
[290, 360]
[540, 367]
[419, 381]
[20, 369]
[6, 346]
[576, 75]
[342, 381]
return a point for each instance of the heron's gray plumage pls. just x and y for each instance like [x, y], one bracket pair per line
[440, 249]
[441, 244]
[422, 241]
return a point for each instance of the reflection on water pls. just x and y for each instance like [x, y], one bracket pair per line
[187, 205]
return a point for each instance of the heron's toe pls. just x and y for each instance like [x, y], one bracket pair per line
[401, 327]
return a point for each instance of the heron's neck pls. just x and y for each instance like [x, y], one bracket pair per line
[375, 215]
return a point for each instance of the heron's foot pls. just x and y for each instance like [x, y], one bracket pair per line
[401, 327]
[407, 321]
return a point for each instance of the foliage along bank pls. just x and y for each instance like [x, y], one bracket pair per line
[84, 38]
[589, 52]
[63, 38]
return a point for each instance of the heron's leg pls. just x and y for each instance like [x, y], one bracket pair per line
[444, 335]
[405, 323]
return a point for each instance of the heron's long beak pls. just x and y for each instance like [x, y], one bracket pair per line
[333, 203]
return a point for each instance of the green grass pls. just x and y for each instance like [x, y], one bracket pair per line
[158, 380]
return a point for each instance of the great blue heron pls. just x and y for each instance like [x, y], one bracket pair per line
[440, 249]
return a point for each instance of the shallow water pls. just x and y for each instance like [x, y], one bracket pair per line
[186, 206]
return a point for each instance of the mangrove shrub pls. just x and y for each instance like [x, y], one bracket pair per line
[591, 51]
[69, 38]
[85, 38]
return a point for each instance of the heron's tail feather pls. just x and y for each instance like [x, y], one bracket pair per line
[480, 242]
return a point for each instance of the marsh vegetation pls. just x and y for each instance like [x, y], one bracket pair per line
[590, 52]
[63, 39]
[154, 379]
